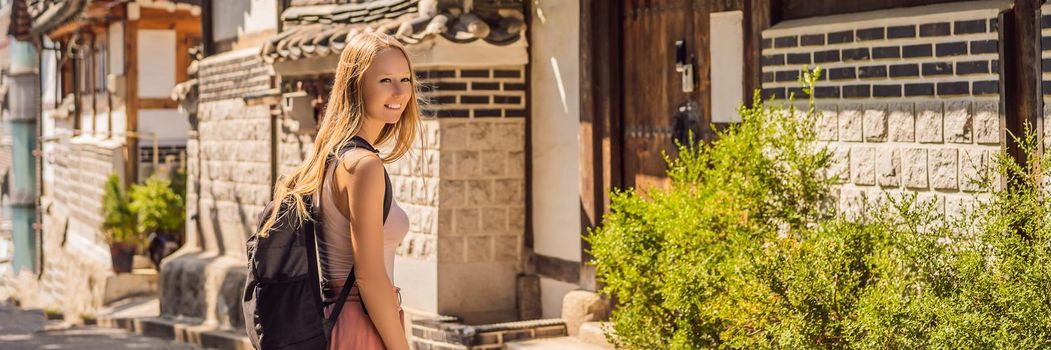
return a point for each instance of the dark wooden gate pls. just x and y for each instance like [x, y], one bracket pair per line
[653, 88]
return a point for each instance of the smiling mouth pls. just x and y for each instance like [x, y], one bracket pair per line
[393, 105]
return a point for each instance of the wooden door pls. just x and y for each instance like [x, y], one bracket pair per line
[652, 88]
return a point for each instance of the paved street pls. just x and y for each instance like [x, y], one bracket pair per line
[23, 330]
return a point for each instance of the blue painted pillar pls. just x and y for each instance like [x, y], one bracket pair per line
[24, 107]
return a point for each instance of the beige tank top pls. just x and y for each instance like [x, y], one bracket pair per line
[334, 245]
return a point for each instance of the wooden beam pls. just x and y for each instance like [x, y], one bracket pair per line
[157, 103]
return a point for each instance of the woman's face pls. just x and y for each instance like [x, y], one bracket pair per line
[387, 86]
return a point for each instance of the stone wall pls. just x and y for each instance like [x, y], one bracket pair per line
[909, 101]
[77, 260]
[229, 182]
[463, 185]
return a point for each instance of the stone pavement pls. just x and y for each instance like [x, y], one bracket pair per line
[28, 329]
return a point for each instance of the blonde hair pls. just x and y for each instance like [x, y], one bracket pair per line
[344, 117]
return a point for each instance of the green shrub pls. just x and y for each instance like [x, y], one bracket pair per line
[118, 222]
[742, 251]
[158, 207]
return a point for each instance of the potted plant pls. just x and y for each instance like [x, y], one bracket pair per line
[160, 212]
[119, 225]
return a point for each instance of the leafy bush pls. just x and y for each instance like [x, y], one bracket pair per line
[743, 251]
[119, 222]
[158, 207]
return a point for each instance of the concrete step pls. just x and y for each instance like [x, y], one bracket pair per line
[594, 333]
[560, 343]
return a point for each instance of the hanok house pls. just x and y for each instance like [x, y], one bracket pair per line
[106, 72]
[256, 104]
[538, 109]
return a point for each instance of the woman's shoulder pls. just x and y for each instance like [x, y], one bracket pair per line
[361, 161]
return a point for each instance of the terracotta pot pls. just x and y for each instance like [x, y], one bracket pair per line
[121, 255]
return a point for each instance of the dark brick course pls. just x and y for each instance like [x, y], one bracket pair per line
[872, 72]
[773, 60]
[786, 41]
[886, 91]
[858, 54]
[984, 46]
[972, 67]
[886, 52]
[935, 29]
[911, 51]
[799, 58]
[901, 32]
[857, 91]
[841, 37]
[474, 73]
[842, 73]
[985, 87]
[951, 49]
[826, 56]
[968, 27]
[937, 68]
[904, 70]
[812, 40]
[922, 89]
[954, 88]
[870, 34]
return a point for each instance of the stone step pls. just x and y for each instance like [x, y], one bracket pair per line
[125, 285]
[594, 333]
[200, 335]
[560, 343]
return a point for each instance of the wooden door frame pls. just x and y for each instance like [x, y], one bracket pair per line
[601, 33]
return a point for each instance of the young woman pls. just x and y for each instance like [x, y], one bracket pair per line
[373, 98]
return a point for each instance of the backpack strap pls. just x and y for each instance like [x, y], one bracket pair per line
[387, 200]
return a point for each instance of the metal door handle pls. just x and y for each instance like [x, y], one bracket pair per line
[683, 66]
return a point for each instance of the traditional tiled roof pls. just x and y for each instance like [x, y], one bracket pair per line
[325, 29]
[20, 21]
[49, 14]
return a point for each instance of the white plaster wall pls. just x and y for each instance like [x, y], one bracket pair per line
[116, 47]
[170, 125]
[101, 123]
[420, 280]
[555, 129]
[237, 18]
[157, 69]
[551, 294]
[48, 83]
[727, 65]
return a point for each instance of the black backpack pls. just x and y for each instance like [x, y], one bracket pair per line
[283, 300]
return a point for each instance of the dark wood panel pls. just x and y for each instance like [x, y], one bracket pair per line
[652, 87]
[795, 9]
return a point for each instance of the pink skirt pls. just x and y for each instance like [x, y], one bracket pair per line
[354, 329]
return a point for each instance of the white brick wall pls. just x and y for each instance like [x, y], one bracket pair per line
[908, 101]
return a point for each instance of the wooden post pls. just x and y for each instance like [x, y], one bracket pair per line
[757, 17]
[131, 98]
[600, 140]
[1021, 97]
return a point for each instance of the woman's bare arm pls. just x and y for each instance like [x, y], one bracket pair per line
[360, 183]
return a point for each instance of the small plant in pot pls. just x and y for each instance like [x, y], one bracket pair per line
[160, 212]
[119, 225]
